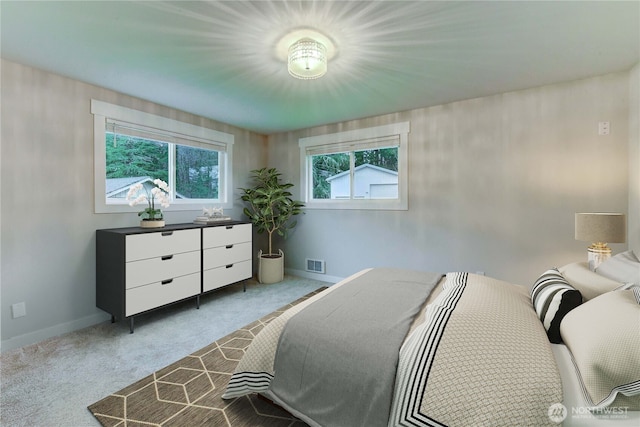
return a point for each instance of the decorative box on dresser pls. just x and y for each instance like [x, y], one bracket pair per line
[140, 269]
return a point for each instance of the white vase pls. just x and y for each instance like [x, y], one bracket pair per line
[271, 267]
[156, 223]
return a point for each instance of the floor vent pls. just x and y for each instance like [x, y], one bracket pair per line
[315, 265]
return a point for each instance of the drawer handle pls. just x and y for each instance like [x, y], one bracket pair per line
[167, 233]
[166, 257]
[229, 266]
[229, 246]
[229, 227]
[166, 282]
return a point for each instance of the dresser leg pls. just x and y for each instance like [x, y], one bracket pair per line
[131, 325]
[113, 319]
[244, 286]
[198, 302]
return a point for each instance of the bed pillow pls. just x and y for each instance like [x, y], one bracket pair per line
[589, 283]
[553, 297]
[603, 337]
[623, 267]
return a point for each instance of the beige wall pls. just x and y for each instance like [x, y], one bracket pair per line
[494, 184]
[47, 213]
[634, 160]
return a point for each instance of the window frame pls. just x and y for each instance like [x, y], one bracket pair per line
[104, 112]
[357, 138]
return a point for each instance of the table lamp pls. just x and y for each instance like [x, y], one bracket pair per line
[600, 228]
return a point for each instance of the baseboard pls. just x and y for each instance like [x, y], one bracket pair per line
[314, 276]
[52, 331]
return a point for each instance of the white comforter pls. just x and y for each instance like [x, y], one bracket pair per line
[480, 357]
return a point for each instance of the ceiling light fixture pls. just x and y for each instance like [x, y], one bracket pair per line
[307, 59]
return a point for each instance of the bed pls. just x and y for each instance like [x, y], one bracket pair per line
[390, 347]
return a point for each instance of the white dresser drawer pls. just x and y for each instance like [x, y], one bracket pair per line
[152, 245]
[157, 294]
[161, 268]
[225, 235]
[225, 255]
[222, 276]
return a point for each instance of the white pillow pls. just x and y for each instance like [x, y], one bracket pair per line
[624, 268]
[586, 281]
[603, 337]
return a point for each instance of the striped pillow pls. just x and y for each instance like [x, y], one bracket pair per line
[553, 297]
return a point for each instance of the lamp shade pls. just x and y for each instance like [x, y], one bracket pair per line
[601, 227]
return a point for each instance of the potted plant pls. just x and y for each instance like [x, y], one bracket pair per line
[157, 195]
[270, 207]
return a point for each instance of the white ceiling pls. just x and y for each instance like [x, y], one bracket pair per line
[218, 59]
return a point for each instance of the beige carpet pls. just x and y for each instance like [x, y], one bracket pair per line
[187, 392]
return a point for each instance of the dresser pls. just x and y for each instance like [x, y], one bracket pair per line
[139, 269]
[226, 255]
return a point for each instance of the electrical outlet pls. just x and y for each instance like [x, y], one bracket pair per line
[18, 310]
[603, 128]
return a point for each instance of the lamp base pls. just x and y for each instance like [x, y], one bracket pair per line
[597, 253]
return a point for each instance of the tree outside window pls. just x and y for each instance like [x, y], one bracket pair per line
[194, 171]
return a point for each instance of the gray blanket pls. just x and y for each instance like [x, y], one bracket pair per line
[332, 350]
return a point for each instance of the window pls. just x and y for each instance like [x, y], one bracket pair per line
[135, 147]
[360, 169]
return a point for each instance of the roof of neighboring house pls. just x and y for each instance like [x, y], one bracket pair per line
[116, 185]
[366, 165]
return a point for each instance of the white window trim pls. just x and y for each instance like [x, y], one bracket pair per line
[102, 111]
[306, 174]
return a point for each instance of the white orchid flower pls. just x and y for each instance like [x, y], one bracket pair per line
[138, 194]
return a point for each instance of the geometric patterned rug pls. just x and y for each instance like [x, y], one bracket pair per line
[187, 392]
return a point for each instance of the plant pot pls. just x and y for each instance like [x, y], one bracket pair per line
[271, 267]
[156, 223]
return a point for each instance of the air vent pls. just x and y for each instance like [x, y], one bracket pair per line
[315, 265]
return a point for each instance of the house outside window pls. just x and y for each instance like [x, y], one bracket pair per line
[360, 169]
[370, 182]
[133, 147]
